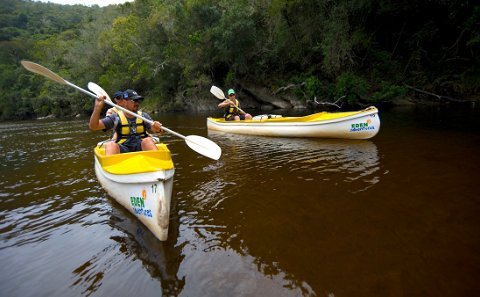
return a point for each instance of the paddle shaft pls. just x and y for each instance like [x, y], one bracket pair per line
[236, 106]
[193, 141]
[80, 89]
[199, 144]
[136, 115]
[39, 69]
[217, 92]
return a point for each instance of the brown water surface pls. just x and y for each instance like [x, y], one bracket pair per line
[396, 215]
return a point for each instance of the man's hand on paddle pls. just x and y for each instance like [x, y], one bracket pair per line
[157, 127]
[100, 101]
[95, 123]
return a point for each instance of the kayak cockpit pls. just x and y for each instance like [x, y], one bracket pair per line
[135, 162]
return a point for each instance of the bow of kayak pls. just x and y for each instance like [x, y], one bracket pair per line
[141, 182]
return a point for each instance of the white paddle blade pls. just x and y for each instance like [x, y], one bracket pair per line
[98, 90]
[39, 69]
[204, 146]
[217, 92]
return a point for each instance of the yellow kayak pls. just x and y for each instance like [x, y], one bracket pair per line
[361, 124]
[141, 182]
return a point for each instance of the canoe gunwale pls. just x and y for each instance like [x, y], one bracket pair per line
[145, 177]
[141, 162]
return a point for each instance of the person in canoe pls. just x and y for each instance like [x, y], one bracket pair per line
[131, 131]
[117, 97]
[232, 108]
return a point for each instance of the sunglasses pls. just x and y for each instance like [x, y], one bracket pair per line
[134, 100]
[231, 95]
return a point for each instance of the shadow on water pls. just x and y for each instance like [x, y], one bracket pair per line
[161, 259]
[135, 242]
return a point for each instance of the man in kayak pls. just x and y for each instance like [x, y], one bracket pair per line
[232, 108]
[131, 131]
[117, 98]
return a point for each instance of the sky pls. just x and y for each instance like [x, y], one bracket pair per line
[87, 2]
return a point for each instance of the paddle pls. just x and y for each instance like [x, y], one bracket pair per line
[199, 144]
[39, 69]
[220, 95]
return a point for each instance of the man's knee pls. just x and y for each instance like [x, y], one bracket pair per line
[111, 148]
[148, 144]
[111, 145]
[147, 141]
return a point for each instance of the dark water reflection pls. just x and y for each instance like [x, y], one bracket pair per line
[396, 215]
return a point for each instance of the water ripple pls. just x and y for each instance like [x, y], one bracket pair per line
[43, 184]
[248, 191]
[355, 162]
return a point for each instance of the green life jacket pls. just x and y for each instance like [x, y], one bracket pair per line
[123, 130]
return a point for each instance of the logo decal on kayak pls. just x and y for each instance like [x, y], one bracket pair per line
[137, 202]
[367, 125]
[138, 205]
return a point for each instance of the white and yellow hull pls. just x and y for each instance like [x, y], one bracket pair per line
[361, 124]
[141, 182]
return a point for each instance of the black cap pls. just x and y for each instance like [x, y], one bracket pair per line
[131, 94]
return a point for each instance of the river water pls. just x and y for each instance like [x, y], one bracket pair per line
[396, 215]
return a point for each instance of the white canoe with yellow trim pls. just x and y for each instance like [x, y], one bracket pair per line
[140, 181]
[361, 124]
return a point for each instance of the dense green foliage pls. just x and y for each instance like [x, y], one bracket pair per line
[365, 50]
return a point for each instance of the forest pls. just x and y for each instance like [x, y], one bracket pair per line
[353, 52]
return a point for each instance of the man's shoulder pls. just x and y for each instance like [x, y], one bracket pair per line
[110, 119]
[112, 116]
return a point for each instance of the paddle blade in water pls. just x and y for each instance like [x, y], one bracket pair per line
[39, 69]
[204, 146]
[217, 92]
